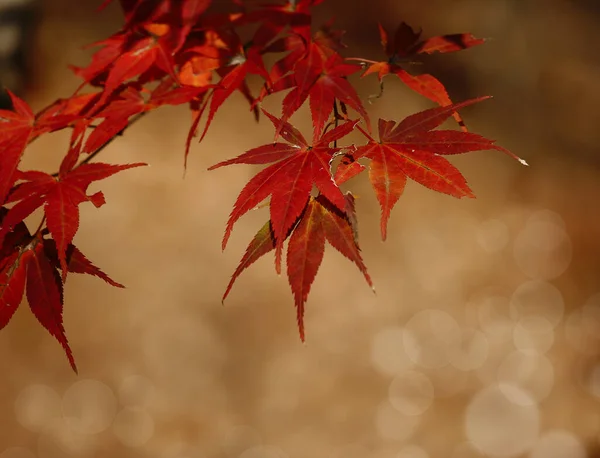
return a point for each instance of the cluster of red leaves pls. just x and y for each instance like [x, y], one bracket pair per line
[174, 52]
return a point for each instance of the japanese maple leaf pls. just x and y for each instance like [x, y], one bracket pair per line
[61, 197]
[137, 60]
[16, 128]
[76, 262]
[64, 112]
[411, 149]
[34, 261]
[13, 261]
[241, 62]
[406, 45]
[322, 79]
[44, 293]
[125, 103]
[320, 221]
[24, 268]
[298, 167]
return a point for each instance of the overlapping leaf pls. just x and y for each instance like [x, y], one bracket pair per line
[16, 128]
[320, 221]
[30, 265]
[411, 149]
[290, 180]
[406, 45]
[322, 80]
[61, 198]
[169, 52]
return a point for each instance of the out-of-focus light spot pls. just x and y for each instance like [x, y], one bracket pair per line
[547, 216]
[239, 439]
[447, 381]
[17, 452]
[136, 390]
[533, 333]
[188, 451]
[493, 317]
[89, 406]
[577, 335]
[387, 351]
[169, 365]
[472, 350]
[537, 298]
[590, 313]
[529, 370]
[492, 417]
[594, 381]
[493, 235]
[411, 393]
[393, 425]
[412, 451]
[466, 450]
[543, 248]
[58, 440]
[349, 451]
[265, 451]
[133, 426]
[430, 337]
[37, 406]
[558, 444]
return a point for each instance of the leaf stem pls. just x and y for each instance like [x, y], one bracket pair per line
[360, 59]
[91, 156]
[365, 133]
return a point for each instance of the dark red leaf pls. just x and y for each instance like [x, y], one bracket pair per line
[12, 284]
[15, 132]
[44, 294]
[304, 256]
[261, 244]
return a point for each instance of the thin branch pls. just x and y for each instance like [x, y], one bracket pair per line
[91, 156]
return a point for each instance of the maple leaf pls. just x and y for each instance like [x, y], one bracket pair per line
[321, 78]
[124, 103]
[288, 181]
[262, 243]
[64, 113]
[45, 297]
[76, 262]
[411, 149]
[320, 221]
[61, 197]
[15, 132]
[241, 62]
[12, 284]
[406, 45]
[145, 53]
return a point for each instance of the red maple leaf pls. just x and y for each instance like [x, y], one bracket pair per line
[290, 180]
[411, 149]
[320, 76]
[320, 220]
[30, 264]
[45, 297]
[405, 46]
[12, 273]
[16, 129]
[61, 197]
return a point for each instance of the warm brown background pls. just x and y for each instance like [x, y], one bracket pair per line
[469, 293]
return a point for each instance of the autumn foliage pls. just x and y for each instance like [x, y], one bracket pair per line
[174, 52]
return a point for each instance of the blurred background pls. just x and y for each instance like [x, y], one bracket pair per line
[483, 339]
